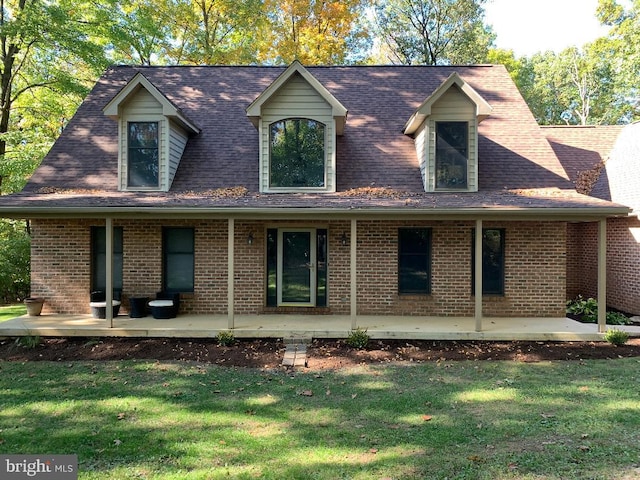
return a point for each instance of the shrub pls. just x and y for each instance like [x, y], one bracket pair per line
[29, 341]
[616, 337]
[226, 338]
[586, 308]
[358, 338]
[617, 318]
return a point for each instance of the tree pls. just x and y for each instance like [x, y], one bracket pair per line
[575, 86]
[43, 46]
[624, 38]
[314, 31]
[15, 245]
[209, 32]
[434, 32]
[137, 31]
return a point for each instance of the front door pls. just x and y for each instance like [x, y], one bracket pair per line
[296, 267]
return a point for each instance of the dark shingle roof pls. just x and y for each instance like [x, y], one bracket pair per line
[513, 152]
[581, 147]
[618, 181]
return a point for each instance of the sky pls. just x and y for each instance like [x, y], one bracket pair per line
[530, 26]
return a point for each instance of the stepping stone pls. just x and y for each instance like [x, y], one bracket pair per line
[295, 354]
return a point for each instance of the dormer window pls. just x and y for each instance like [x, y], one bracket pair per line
[445, 129]
[152, 136]
[452, 157]
[297, 154]
[143, 155]
[298, 121]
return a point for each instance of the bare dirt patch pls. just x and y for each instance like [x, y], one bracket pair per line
[322, 354]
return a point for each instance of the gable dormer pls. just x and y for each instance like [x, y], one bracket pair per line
[445, 128]
[152, 136]
[297, 120]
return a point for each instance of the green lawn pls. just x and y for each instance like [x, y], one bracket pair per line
[8, 312]
[458, 420]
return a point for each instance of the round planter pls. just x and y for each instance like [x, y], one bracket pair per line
[34, 306]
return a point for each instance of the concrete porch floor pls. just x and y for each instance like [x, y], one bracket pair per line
[315, 326]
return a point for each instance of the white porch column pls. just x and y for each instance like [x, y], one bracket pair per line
[230, 272]
[354, 274]
[477, 287]
[602, 276]
[108, 294]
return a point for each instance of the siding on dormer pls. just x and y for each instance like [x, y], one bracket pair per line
[297, 99]
[453, 106]
[177, 143]
[143, 107]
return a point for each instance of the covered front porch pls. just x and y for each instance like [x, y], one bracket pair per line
[308, 326]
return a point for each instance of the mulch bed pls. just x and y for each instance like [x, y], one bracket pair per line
[322, 354]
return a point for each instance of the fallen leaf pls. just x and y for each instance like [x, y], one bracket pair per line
[121, 416]
[426, 418]
[513, 466]
[306, 393]
[476, 458]
[373, 450]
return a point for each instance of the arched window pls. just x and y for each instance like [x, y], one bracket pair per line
[297, 154]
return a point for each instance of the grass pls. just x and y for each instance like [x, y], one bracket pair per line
[12, 311]
[458, 420]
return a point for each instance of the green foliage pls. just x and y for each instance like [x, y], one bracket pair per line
[588, 311]
[358, 338]
[616, 337]
[29, 341]
[617, 318]
[587, 308]
[433, 32]
[15, 245]
[226, 338]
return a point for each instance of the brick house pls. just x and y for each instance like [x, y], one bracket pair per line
[355, 190]
[610, 173]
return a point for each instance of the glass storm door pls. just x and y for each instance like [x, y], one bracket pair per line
[297, 267]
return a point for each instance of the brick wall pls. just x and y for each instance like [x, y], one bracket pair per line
[623, 263]
[60, 264]
[535, 267]
[582, 260]
[535, 270]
